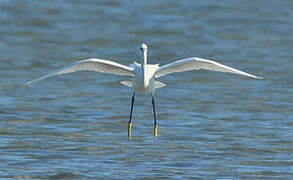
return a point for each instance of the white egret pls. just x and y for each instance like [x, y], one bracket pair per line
[144, 74]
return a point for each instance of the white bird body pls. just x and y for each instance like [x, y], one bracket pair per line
[145, 74]
[144, 81]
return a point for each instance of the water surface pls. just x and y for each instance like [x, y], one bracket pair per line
[211, 125]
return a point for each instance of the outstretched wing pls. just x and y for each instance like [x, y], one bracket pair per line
[196, 64]
[93, 64]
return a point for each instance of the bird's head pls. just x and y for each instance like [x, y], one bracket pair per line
[143, 47]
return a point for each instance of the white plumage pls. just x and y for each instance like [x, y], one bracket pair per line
[144, 74]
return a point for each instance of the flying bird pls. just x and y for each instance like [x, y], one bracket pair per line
[144, 75]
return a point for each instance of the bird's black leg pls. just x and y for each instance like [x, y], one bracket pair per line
[155, 119]
[129, 122]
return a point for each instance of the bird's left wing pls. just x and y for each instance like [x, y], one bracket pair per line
[196, 64]
[93, 64]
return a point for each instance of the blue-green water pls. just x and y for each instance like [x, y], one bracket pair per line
[211, 125]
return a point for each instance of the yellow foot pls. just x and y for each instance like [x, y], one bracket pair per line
[129, 129]
[156, 131]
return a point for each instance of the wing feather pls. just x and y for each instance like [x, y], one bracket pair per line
[93, 64]
[196, 64]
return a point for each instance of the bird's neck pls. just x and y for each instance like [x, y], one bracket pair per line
[144, 69]
[144, 56]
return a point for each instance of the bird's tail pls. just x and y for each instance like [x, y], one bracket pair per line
[127, 83]
[159, 84]
[130, 84]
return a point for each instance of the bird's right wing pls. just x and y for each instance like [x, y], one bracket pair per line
[93, 64]
[196, 64]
